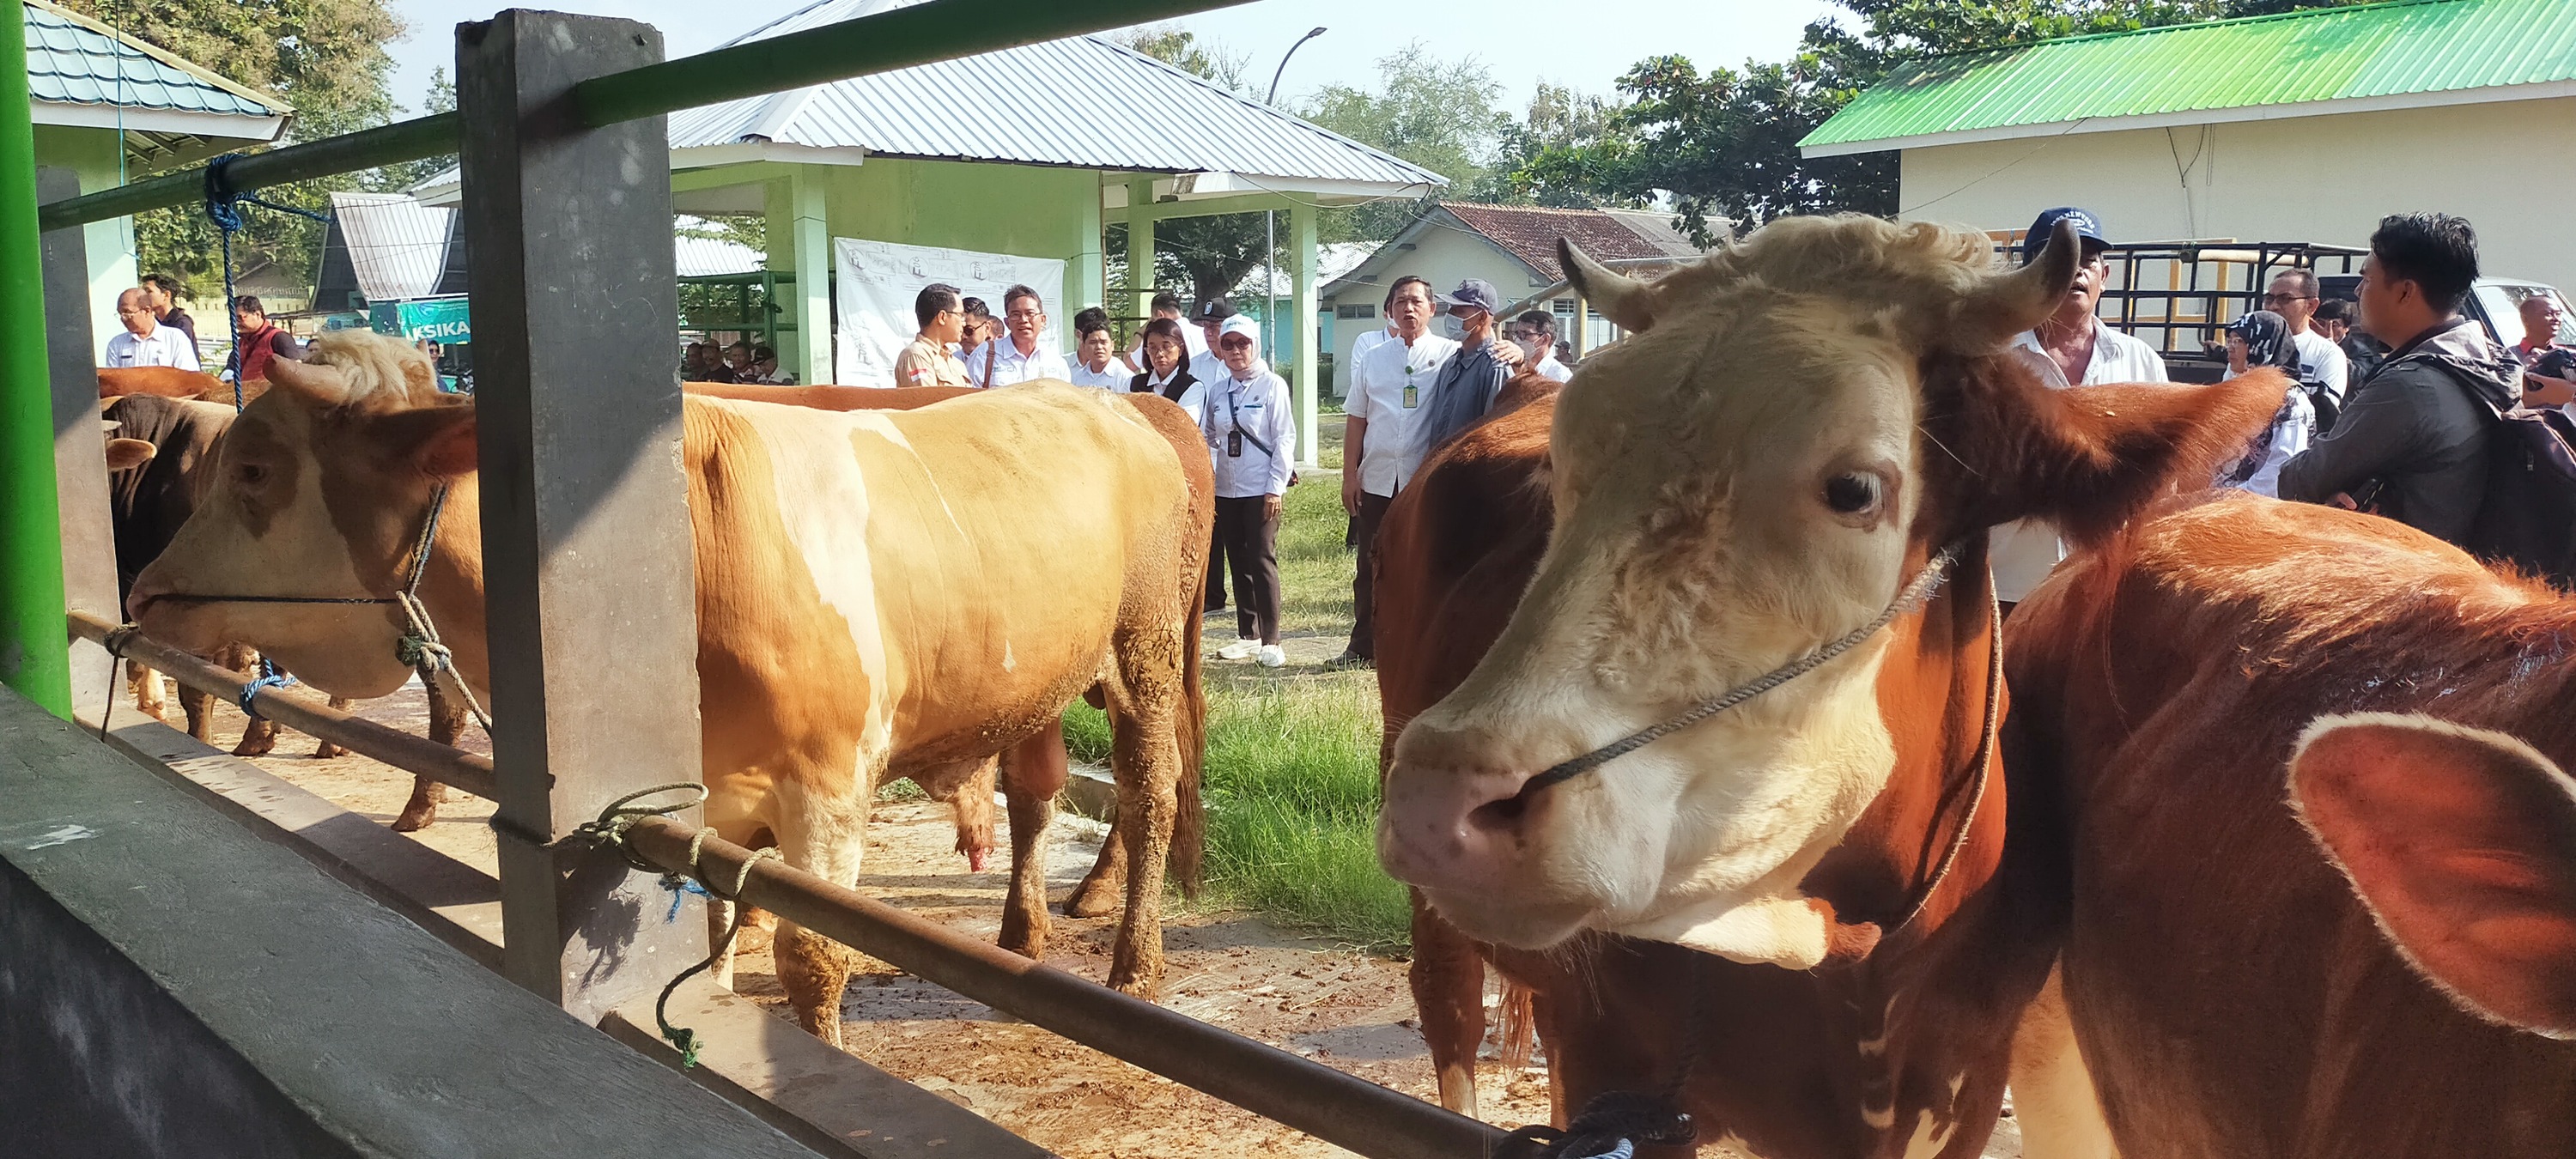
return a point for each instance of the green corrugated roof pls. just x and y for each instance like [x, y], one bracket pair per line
[2378, 50]
[75, 61]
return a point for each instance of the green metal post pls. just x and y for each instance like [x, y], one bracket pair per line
[35, 644]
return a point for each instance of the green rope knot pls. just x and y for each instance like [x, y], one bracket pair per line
[682, 1037]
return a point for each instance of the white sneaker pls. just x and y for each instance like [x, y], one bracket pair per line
[1239, 650]
[1273, 656]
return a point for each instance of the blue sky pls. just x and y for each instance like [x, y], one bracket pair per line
[1521, 41]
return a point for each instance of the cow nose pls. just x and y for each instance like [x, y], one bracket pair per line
[1453, 828]
[147, 587]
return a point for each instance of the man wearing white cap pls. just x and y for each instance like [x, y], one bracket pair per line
[1253, 437]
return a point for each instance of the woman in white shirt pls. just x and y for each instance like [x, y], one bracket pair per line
[1254, 440]
[1166, 351]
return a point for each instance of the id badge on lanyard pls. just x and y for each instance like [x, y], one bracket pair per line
[1234, 438]
[1412, 393]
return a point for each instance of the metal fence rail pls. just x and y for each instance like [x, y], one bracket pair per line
[1329, 1104]
[1338, 1108]
[417, 755]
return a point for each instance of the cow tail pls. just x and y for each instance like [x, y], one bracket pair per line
[1189, 820]
[1520, 1024]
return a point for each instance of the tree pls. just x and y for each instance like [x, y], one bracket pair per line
[324, 57]
[1438, 114]
[1725, 141]
[441, 98]
[1559, 119]
[1210, 254]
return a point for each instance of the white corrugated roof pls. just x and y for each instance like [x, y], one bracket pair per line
[1082, 101]
[701, 256]
[397, 246]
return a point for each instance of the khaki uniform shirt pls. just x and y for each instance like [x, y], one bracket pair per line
[927, 363]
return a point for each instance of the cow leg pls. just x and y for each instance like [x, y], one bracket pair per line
[150, 697]
[1448, 979]
[824, 833]
[446, 724]
[1099, 890]
[324, 750]
[259, 736]
[759, 926]
[1145, 753]
[2053, 1097]
[1033, 772]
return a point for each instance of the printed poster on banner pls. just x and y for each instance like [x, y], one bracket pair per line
[879, 279]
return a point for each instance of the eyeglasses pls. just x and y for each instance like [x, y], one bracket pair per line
[2286, 299]
[1025, 315]
[1526, 335]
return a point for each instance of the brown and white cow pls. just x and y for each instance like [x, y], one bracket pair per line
[1796, 909]
[171, 382]
[870, 598]
[2232, 992]
[158, 452]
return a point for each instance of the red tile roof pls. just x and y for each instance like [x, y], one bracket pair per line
[1530, 234]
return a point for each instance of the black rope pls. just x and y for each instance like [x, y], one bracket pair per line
[1609, 1127]
[1907, 600]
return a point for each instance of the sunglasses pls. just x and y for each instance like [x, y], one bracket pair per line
[1236, 343]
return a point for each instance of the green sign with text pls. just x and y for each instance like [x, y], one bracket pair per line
[441, 320]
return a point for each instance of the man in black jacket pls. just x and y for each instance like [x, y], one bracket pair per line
[2413, 442]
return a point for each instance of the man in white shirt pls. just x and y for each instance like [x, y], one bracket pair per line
[1387, 388]
[1209, 320]
[1015, 357]
[1166, 305]
[2072, 347]
[1253, 437]
[2293, 296]
[1535, 333]
[1094, 361]
[146, 342]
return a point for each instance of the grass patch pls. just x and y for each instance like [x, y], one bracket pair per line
[1292, 753]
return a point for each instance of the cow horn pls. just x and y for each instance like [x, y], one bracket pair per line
[315, 382]
[2008, 304]
[1618, 297]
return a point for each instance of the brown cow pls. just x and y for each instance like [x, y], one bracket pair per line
[1800, 424]
[836, 649]
[172, 382]
[2223, 982]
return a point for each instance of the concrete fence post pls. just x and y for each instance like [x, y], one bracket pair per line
[586, 545]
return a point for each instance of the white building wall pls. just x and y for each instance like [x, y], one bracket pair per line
[2504, 166]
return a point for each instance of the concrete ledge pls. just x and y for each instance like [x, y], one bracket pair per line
[388, 1040]
[821, 1097]
[457, 903]
[1092, 792]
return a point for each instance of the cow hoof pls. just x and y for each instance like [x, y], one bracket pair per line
[1149, 989]
[1031, 948]
[326, 751]
[1092, 899]
[415, 817]
[255, 746]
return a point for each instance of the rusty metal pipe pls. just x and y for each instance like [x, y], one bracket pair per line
[417, 755]
[1338, 1108]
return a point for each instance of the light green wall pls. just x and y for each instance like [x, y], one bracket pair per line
[96, 157]
[1011, 209]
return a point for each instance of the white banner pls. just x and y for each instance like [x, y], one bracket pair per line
[879, 280]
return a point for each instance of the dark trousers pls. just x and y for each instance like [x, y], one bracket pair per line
[1216, 570]
[1251, 542]
[1364, 582]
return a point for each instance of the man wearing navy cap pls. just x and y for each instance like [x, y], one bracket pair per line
[1471, 379]
[2072, 347]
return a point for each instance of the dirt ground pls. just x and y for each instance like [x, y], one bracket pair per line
[1328, 1002]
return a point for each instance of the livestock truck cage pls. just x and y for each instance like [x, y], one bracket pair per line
[587, 559]
[2175, 295]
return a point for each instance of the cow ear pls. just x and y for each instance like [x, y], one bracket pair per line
[127, 454]
[2087, 458]
[2462, 843]
[439, 440]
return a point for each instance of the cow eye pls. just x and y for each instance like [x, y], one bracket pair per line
[1852, 493]
[250, 474]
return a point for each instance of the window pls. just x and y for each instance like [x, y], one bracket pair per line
[1563, 307]
[1356, 310]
